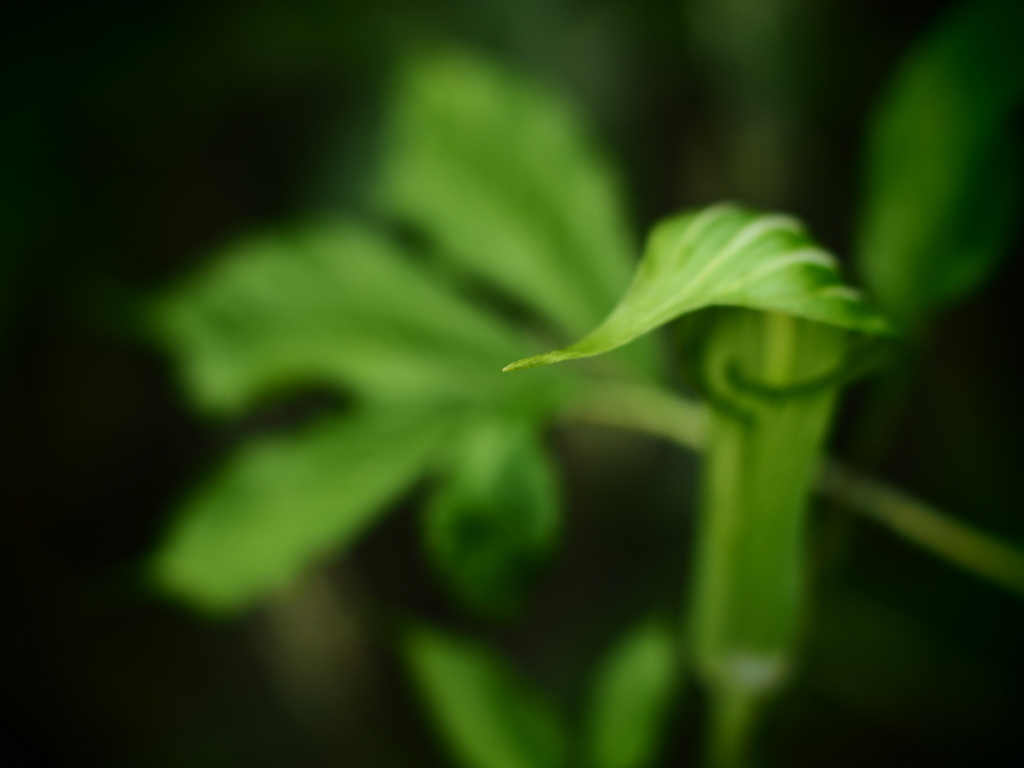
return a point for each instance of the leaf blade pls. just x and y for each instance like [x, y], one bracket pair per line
[283, 501]
[942, 180]
[488, 716]
[502, 173]
[329, 302]
[632, 693]
[724, 255]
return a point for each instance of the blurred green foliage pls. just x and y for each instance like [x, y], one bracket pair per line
[281, 502]
[503, 176]
[138, 137]
[632, 697]
[487, 715]
[495, 521]
[337, 305]
[943, 172]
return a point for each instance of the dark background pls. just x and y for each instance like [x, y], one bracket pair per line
[136, 137]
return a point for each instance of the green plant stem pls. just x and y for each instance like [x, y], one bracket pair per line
[682, 421]
[642, 408]
[757, 476]
[981, 553]
[733, 715]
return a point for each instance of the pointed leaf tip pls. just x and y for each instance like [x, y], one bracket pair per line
[555, 356]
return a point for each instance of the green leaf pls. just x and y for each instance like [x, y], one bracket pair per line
[725, 256]
[330, 303]
[630, 701]
[280, 502]
[942, 176]
[486, 715]
[502, 173]
[496, 518]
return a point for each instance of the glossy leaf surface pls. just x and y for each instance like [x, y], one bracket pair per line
[495, 519]
[281, 502]
[725, 256]
[631, 698]
[485, 714]
[942, 181]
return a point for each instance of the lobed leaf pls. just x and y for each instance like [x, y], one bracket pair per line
[331, 303]
[496, 518]
[486, 715]
[502, 174]
[630, 701]
[942, 183]
[725, 255]
[280, 502]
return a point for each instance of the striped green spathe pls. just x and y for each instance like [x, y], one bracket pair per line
[726, 255]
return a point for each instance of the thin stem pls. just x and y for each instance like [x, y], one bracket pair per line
[680, 420]
[732, 720]
[976, 551]
[642, 408]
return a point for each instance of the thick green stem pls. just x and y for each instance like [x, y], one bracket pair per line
[759, 467]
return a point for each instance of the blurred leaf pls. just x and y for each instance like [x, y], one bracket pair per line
[942, 175]
[280, 502]
[332, 303]
[725, 256]
[502, 174]
[487, 716]
[630, 701]
[496, 518]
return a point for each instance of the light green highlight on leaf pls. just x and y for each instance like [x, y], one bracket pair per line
[631, 698]
[725, 256]
[942, 183]
[281, 502]
[330, 303]
[486, 715]
[495, 519]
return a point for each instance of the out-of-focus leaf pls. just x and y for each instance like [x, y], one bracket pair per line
[942, 174]
[280, 502]
[496, 518]
[330, 303]
[486, 715]
[630, 701]
[502, 174]
[725, 256]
